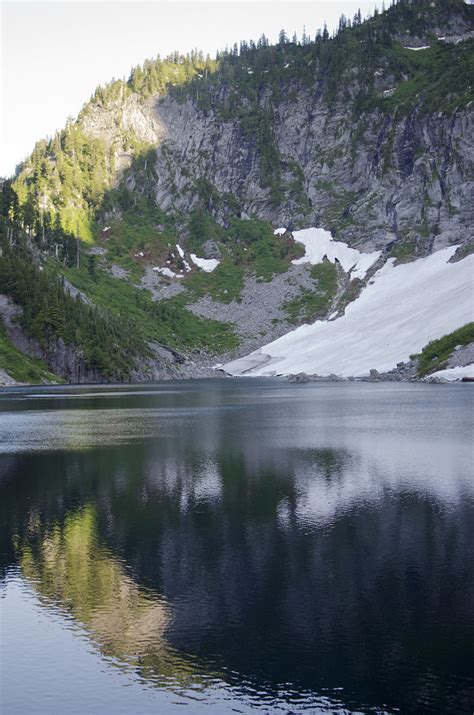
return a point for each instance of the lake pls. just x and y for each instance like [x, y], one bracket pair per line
[237, 546]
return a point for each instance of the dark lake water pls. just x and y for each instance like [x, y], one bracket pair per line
[237, 546]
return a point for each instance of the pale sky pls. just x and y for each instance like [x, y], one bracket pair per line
[54, 54]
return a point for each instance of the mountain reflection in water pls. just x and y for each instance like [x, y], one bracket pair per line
[295, 542]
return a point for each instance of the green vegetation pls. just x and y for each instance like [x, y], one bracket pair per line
[313, 304]
[181, 328]
[113, 333]
[109, 345]
[338, 215]
[436, 78]
[433, 80]
[142, 228]
[257, 126]
[325, 185]
[404, 251]
[247, 246]
[434, 356]
[156, 76]
[224, 285]
[202, 227]
[63, 182]
[167, 321]
[256, 247]
[351, 293]
[21, 367]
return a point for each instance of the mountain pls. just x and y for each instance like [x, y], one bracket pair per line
[153, 213]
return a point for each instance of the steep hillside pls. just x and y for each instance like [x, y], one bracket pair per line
[174, 181]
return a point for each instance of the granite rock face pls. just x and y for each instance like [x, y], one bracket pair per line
[374, 183]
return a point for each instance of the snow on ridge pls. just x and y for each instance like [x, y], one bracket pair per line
[207, 264]
[397, 314]
[319, 243]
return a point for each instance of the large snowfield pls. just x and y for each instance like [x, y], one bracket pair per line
[400, 310]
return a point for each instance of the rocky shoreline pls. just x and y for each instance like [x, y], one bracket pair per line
[171, 365]
[395, 375]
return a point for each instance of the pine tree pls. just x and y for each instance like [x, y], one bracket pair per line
[92, 267]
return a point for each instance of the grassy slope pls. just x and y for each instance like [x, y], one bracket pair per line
[434, 356]
[313, 304]
[166, 321]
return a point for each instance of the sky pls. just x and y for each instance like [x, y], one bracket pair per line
[55, 53]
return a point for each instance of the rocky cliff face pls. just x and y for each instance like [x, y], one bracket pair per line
[372, 181]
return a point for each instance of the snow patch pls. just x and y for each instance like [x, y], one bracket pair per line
[319, 244]
[455, 373]
[166, 272]
[279, 231]
[404, 308]
[207, 264]
[417, 49]
[107, 228]
[181, 255]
